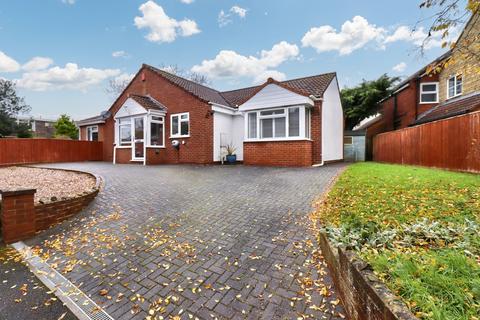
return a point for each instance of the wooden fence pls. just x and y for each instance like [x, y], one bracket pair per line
[23, 151]
[452, 144]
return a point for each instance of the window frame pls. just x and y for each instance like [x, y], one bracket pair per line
[429, 92]
[150, 121]
[455, 85]
[302, 134]
[180, 120]
[90, 130]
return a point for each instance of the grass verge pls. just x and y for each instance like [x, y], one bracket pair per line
[418, 228]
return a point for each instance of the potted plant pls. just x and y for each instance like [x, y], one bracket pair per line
[231, 156]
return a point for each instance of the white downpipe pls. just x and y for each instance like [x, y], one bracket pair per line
[115, 154]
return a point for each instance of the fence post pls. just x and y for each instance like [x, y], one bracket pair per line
[17, 214]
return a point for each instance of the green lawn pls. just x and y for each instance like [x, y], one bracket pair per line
[418, 228]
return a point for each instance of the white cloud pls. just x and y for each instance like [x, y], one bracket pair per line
[119, 54]
[225, 18]
[161, 27]
[8, 64]
[69, 77]
[418, 36]
[69, 1]
[400, 67]
[241, 12]
[37, 63]
[124, 77]
[353, 35]
[229, 64]
[187, 1]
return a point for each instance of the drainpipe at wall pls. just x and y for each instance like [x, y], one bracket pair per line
[114, 154]
[417, 96]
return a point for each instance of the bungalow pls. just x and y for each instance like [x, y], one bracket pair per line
[161, 118]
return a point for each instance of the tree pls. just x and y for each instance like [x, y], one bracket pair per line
[10, 106]
[65, 127]
[193, 76]
[449, 15]
[361, 101]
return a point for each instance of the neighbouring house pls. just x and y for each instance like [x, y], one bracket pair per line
[40, 127]
[451, 89]
[162, 118]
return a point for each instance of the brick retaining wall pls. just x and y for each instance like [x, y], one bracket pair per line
[363, 295]
[21, 218]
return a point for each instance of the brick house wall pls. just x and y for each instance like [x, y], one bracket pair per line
[44, 129]
[406, 109]
[279, 153]
[198, 148]
[316, 133]
[83, 132]
[463, 60]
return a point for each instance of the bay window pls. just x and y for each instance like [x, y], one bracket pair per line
[288, 123]
[454, 86]
[180, 125]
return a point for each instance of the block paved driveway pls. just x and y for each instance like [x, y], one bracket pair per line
[206, 242]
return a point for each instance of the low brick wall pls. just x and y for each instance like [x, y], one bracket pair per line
[278, 153]
[21, 218]
[363, 295]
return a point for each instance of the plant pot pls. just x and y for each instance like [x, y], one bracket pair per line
[232, 158]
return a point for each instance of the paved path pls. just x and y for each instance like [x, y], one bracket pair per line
[198, 242]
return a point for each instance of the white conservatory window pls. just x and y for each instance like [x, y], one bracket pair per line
[125, 132]
[288, 123]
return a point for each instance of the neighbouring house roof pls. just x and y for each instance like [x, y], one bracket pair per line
[367, 122]
[92, 120]
[450, 108]
[148, 102]
[420, 73]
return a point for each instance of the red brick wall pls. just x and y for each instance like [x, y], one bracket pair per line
[198, 148]
[83, 132]
[124, 155]
[408, 107]
[316, 132]
[278, 153]
[17, 215]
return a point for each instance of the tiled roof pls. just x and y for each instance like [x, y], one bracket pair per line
[205, 93]
[314, 85]
[148, 102]
[91, 120]
[451, 108]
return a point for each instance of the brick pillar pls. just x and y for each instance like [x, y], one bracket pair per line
[17, 215]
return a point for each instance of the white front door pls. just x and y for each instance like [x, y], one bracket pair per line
[138, 139]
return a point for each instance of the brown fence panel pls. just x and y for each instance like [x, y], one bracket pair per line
[23, 151]
[452, 144]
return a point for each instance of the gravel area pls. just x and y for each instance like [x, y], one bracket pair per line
[51, 185]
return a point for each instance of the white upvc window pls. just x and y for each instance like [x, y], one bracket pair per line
[157, 132]
[125, 132]
[180, 125]
[92, 133]
[288, 123]
[454, 86]
[429, 92]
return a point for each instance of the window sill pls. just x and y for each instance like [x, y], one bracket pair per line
[458, 95]
[421, 102]
[277, 140]
[156, 147]
[179, 137]
[123, 147]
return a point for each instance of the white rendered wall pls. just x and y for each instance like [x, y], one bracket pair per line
[229, 128]
[332, 124]
[272, 96]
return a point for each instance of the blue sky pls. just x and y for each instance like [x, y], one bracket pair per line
[62, 53]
